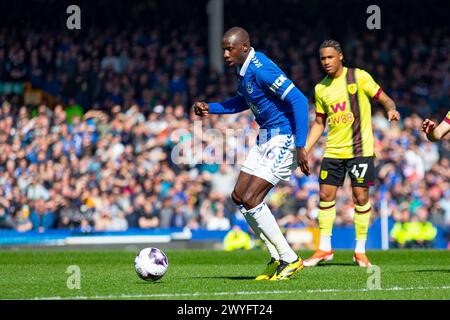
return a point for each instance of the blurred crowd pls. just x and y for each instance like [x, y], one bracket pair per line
[162, 64]
[133, 169]
[115, 166]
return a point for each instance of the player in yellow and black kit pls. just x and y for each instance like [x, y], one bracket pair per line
[343, 102]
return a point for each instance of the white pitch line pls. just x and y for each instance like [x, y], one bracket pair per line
[199, 294]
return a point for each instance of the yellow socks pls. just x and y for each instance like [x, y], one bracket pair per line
[327, 214]
[361, 220]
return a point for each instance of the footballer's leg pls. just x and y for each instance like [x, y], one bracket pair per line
[239, 189]
[362, 174]
[361, 219]
[253, 200]
[277, 161]
[332, 174]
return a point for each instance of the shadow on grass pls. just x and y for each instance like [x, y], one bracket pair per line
[228, 278]
[426, 270]
[329, 264]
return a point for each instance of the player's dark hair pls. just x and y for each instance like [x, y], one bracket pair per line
[331, 44]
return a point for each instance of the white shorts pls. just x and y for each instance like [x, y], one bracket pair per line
[273, 160]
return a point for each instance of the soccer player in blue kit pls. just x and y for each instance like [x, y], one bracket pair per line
[281, 111]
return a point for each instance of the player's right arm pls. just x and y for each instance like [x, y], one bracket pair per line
[316, 131]
[435, 133]
[234, 105]
[318, 126]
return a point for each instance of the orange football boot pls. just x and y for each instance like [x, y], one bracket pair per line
[317, 257]
[362, 260]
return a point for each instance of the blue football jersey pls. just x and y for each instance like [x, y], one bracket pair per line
[279, 107]
[264, 86]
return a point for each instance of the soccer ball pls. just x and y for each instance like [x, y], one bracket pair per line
[151, 264]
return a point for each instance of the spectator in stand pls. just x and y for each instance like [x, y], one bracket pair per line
[122, 181]
[22, 222]
[6, 220]
[41, 216]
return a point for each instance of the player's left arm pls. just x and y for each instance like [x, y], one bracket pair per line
[273, 79]
[389, 106]
[374, 91]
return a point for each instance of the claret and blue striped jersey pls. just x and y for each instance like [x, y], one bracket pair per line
[279, 107]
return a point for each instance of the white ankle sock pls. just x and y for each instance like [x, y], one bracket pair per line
[360, 246]
[325, 243]
[269, 227]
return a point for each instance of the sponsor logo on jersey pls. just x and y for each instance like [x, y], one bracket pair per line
[338, 106]
[341, 119]
[278, 83]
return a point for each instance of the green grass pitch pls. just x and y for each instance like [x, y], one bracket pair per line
[208, 275]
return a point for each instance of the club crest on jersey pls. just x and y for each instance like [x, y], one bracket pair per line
[323, 174]
[249, 88]
[352, 88]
